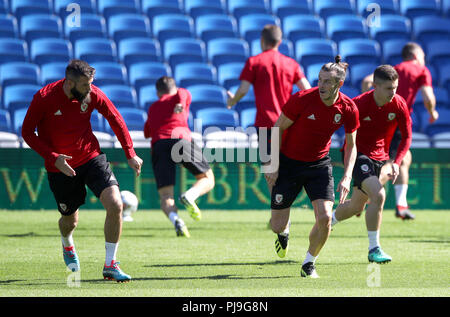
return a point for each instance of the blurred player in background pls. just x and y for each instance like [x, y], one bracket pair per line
[61, 113]
[413, 76]
[170, 135]
[308, 120]
[381, 112]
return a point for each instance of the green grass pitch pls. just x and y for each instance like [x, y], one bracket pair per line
[229, 254]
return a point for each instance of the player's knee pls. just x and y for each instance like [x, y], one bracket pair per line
[115, 207]
[324, 221]
[378, 198]
[277, 226]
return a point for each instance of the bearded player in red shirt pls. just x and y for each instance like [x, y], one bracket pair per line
[413, 76]
[305, 126]
[381, 112]
[61, 112]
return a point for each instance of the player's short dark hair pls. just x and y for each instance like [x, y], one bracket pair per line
[165, 84]
[339, 67]
[385, 73]
[78, 68]
[271, 34]
[409, 50]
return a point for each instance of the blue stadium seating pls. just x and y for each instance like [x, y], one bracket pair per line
[446, 8]
[367, 7]
[214, 26]
[147, 96]
[349, 91]
[48, 50]
[284, 8]
[444, 79]
[135, 50]
[248, 101]
[60, 7]
[391, 27]
[247, 117]
[301, 26]
[184, 50]
[94, 50]
[250, 25]
[8, 26]
[438, 53]
[36, 26]
[20, 8]
[5, 121]
[168, 26]
[227, 50]
[392, 51]
[122, 96]
[97, 121]
[431, 28]
[442, 100]
[128, 25]
[147, 73]
[91, 25]
[285, 48]
[359, 71]
[18, 96]
[196, 8]
[346, 26]
[206, 96]
[109, 73]
[442, 124]
[221, 118]
[312, 73]
[239, 8]
[108, 8]
[51, 72]
[415, 8]
[327, 8]
[19, 73]
[13, 50]
[134, 119]
[355, 51]
[152, 8]
[17, 118]
[228, 74]
[188, 74]
[311, 51]
[4, 6]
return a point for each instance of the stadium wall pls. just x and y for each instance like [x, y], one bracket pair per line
[239, 185]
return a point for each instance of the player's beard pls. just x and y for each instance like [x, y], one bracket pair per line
[82, 98]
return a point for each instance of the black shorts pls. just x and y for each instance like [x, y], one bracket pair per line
[164, 165]
[70, 192]
[396, 139]
[365, 167]
[264, 144]
[293, 175]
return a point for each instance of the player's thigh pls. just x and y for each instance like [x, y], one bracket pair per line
[319, 184]
[358, 200]
[194, 160]
[99, 176]
[164, 168]
[69, 192]
[111, 199]
[385, 171]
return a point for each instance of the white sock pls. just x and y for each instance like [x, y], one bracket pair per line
[333, 218]
[400, 194]
[67, 241]
[374, 239]
[192, 194]
[173, 216]
[111, 250]
[309, 258]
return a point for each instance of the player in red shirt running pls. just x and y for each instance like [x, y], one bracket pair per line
[413, 76]
[305, 126]
[61, 113]
[171, 143]
[381, 112]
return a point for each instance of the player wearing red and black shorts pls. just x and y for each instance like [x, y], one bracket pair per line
[306, 124]
[171, 144]
[381, 112]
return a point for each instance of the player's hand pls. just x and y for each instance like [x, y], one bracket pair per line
[271, 178]
[344, 188]
[395, 172]
[63, 166]
[433, 116]
[136, 164]
[230, 100]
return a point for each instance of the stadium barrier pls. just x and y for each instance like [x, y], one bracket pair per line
[239, 185]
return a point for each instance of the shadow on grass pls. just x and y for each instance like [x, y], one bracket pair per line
[224, 264]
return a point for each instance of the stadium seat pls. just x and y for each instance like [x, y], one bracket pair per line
[17, 118]
[227, 50]
[4, 6]
[20, 8]
[442, 99]
[446, 8]
[312, 51]
[284, 8]
[416, 122]
[91, 25]
[152, 8]
[441, 139]
[188, 74]
[345, 26]
[300, 26]
[8, 26]
[5, 121]
[392, 51]
[94, 50]
[247, 117]
[220, 118]
[444, 80]
[212, 26]
[51, 72]
[36, 26]
[420, 141]
[438, 53]
[327, 8]
[108, 8]
[207, 96]
[442, 124]
[13, 50]
[431, 28]
[60, 7]
[128, 25]
[184, 50]
[239, 8]
[147, 96]
[196, 8]
[18, 96]
[9, 140]
[122, 96]
[147, 73]
[136, 50]
[19, 73]
[312, 73]
[168, 26]
[350, 92]
[134, 119]
[285, 48]
[415, 8]
[367, 7]
[391, 27]
[230, 138]
[359, 71]
[97, 121]
[228, 74]
[109, 73]
[355, 51]
[48, 50]
[248, 101]
[250, 25]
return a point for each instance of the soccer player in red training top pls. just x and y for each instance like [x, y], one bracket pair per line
[61, 112]
[171, 143]
[306, 124]
[413, 76]
[381, 111]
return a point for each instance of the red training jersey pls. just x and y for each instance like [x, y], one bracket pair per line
[64, 127]
[411, 76]
[272, 75]
[308, 139]
[378, 124]
[164, 122]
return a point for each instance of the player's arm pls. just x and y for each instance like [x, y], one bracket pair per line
[367, 83]
[243, 89]
[429, 101]
[349, 162]
[303, 84]
[405, 127]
